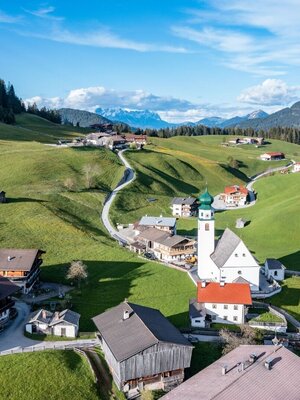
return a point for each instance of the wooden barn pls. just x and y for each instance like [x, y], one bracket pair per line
[142, 348]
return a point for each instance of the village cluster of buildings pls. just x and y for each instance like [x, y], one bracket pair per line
[114, 141]
[248, 140]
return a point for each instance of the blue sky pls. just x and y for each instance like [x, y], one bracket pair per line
[185, 59]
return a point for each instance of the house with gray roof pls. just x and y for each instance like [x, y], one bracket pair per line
[7, 289]
[167, 224]
[64, 323]
[246, 373]
[142, 348]
[184, 206]
[274, 269]
[166, 247]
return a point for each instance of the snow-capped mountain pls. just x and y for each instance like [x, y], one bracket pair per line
[257, 114]
[237, 120]
[137, 119]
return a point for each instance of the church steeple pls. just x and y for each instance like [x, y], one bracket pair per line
[206, 211]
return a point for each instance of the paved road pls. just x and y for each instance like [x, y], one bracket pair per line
[129, 176]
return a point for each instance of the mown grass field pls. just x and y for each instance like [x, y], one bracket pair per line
[33, 128]
[183, 166]
[53, 375]
[42, 213]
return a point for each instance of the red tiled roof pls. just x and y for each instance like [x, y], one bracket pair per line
[236, 189]
[275, 153]
[230, 293]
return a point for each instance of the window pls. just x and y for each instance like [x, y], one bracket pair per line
[207, 227]
[236, 254]
[213, 317]
[235, 318]
[225, 307]
[214, 306]
[235, 307]
[197, 321]
[225, 317]
[275, 273]
[240, 272]
[244, 255]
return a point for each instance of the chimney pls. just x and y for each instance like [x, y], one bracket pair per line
[222, 283]
[126, 315]
[224, 369]
[9, 258]
[203, 283]
[268, 363]
[44, 315]
[252, 358]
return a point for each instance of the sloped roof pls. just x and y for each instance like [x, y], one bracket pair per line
[225, 247]
[236, 189]
[230, 293]
[69, 316]
[184, 200]
[158, 221]
[274, 264]
[172, 241]
[7, 288]
[41, 315]
[153, 234]
[144, 328]
[255, 382]
[17, 259]
[240, 279]
[196, 309]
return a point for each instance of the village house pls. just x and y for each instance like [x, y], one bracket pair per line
[2, 197]
[220, 302]
[7, 289]
[142, 348]
[246, 373]
[64, 323]
[139, 140]
[227, 261]
[184, 206]
[235, 195]
[274, 269]
[21, 266]
[272, 156]
[296, 167]
[96, 139]
[167, 224]
[166, 247]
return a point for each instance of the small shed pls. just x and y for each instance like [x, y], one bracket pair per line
[2, 197]
[240, 223]
[274, 269]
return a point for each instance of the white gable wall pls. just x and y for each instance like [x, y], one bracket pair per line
[235, 313]
[70, 330]
[241, 263]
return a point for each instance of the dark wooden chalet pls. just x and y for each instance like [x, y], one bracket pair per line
[142, 348]
[21, 266]
[7, 288]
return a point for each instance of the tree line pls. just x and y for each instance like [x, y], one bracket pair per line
[288, 134]
[11, 105]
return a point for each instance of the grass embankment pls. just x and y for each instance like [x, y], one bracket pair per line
[52, 375]
[41, 213]
[204, 354]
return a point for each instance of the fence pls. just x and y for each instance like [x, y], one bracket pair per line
[49, 346]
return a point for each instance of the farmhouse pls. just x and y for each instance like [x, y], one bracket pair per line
[274, 269]
[21, 266]
[142, 348]
[220, 302]
[116, 142]
[139, 140]
[184, 206]
[2, 197]
[235, 196]
[96, 139]
[7, 288]
[296, 167]
[246, 373]
[165, 246]
[272, 156]
[229, 259]
[162, 223]
[64, 323]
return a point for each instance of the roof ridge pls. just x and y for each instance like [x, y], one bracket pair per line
[143, 321]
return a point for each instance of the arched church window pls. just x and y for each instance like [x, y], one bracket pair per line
[207, 227]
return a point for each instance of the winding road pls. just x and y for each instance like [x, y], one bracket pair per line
[128, 177]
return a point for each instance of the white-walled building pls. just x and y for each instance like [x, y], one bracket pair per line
[184, 206]
[230, 259]
[220, 303]
[64, 323]
[274, 269]
[296, 167]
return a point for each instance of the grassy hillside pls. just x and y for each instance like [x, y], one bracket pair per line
[42, 213]
[30, 127]
[182, 166]
[53, 375]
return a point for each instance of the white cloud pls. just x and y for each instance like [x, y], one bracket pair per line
[271, 92]
[8, 19]
[45, 12]
[260, 38]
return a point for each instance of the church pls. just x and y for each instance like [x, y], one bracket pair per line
[228, 260]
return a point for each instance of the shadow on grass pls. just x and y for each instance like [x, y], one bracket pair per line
[108, 284]
[235, 172]
[291, 261]
[23, 200]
